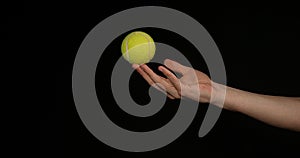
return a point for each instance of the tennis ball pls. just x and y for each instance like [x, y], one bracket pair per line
[138, 48]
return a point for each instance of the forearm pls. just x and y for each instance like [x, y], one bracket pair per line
[278, 111]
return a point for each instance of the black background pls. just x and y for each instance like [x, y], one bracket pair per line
[259, 46]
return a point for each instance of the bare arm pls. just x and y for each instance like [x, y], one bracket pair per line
[278, 111]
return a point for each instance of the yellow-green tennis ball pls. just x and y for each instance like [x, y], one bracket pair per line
[138, 48]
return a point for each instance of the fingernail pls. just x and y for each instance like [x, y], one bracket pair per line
[160, 68]
[135, 66]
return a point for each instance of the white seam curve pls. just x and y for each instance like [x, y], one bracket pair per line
[148, 45]
[127, 50]
[127, 54]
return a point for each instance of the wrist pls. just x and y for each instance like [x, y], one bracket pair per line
[219, 96]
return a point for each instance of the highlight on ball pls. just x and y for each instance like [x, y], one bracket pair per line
[138, 48]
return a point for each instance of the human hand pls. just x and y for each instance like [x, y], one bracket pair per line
[275, 110]
[193, 84]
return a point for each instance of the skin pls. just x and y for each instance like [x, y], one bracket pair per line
[283, 112]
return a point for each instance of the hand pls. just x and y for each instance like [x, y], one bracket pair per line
[193, 84]
[275, 110]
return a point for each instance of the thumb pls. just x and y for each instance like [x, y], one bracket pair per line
[175, 66]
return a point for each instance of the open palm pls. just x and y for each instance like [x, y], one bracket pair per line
[193, 84]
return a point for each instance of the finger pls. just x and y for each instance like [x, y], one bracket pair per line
[154, 76]
[163, 90]
[135, 66]
[175, 66]
[174, 80]
[162, 83]
[144, 74]
[150, 81]
[171, 97]
[156, 86]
